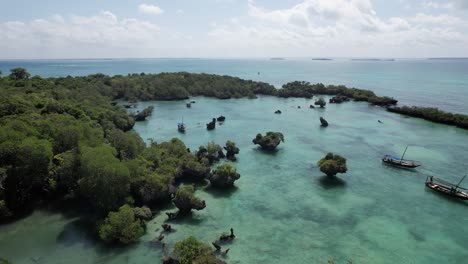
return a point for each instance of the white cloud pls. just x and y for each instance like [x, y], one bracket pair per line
[442, 19]
[150, 9]
[76, 36]
[337, 28]
[436, 5]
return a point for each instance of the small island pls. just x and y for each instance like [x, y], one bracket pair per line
[270, 141]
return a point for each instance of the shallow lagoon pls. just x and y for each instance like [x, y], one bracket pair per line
[284, 209]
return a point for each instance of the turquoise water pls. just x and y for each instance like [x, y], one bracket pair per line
[283, 209]
[438, 83]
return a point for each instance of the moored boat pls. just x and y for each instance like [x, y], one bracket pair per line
[400, 162]
[447, 188]
[181, 126]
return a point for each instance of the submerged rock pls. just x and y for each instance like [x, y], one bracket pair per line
[278, 112]
[221, 118]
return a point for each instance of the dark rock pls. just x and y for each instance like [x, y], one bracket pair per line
[141, 116]
[323, 122]
[338, 99]
[311, 106]
[216, 245]
[211, 125]
[320, 102]
[278, 112]
[270, 141]
[224, 176]
[166, 227]
[231, 150]
[221, 118]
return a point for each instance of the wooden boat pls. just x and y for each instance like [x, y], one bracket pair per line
[447, 188]
[400, 162]
[181, 126]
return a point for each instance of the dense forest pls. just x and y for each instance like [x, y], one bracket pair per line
[432, 114]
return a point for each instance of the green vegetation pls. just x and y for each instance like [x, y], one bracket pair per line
[121, 226]
[62, 138]
[332, 164]
[231, 150]
[19, 74]
[185, 200]
[321, 102]
[433, 114]
[307, 90]
[224, 176]
[192, 251]
[212, 152]
[270, 141]
[2, 260]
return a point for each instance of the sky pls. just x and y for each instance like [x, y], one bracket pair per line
[31, 29]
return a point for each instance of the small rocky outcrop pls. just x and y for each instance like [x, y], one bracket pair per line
[166, 227]
[221, 118]
[141, 116]
[332, 164]
[321, 102]
[224, 176]
[186, 201]
[278, 112]
[212, 153]
[338, 99]
[231, 150]
[270, 141]
[211, 125]
[311, 106]
[323, 122]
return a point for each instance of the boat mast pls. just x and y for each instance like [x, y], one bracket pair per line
[460, 182]
[401, 159]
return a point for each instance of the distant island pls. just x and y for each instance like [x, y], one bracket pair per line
[448, 58]
[277, 58]
[373, 59]
[322, 59]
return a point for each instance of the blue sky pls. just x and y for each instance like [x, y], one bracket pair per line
[233, 28]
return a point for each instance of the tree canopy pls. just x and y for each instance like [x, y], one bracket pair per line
[121, 226]
[332, 164]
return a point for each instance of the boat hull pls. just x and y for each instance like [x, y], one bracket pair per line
[401, 164]
[444, 190]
